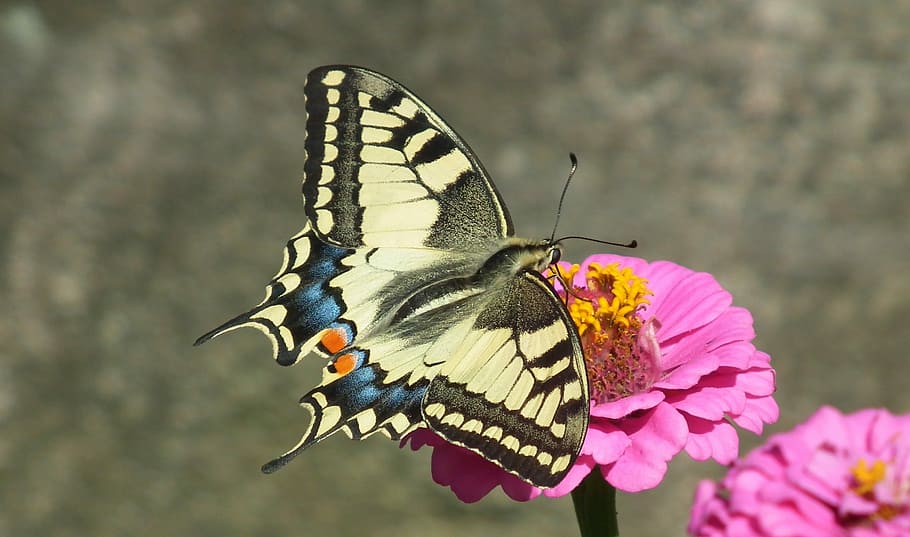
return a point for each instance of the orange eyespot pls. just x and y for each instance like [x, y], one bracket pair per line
[345, 363]
[334, 340]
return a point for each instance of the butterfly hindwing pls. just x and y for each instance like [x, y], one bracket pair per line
[360, 402]
[379, 383]
[375, 153]
[515, 391]
[511, 388]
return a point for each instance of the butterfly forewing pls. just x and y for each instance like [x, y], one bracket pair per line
[383, 169]
[407, 278]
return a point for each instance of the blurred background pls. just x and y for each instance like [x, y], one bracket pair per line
[150, 161]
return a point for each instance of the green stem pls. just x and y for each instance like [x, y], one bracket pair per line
[595, 506]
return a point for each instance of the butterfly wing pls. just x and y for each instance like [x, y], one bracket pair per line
[516, 390]
[497, 371]
[395, 200]
[383, 169]
[383, 279]
[379, 383]
[324, 295]
[301, 306]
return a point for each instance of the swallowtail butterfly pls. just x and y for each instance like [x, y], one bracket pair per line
[408, 278]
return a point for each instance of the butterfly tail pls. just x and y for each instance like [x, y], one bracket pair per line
[358, 398]
[301, 310]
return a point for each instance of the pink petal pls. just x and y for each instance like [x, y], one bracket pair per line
[705, 340]
[760, 360]
[517, 489]
[702, 504]
[582, 467]
[781, 520]
[469, 476]
[627, 405]
[745, 484]
[605, 442]
[689, 373]
[692, 303]
[755, 382]
[709, 403]
[756, 413]
[738, 355]
[714, 440]
[882, 427]
[824, 475]
[662, 276]
[733, 325]
[656, 437]
[806, 508]
[832, 423]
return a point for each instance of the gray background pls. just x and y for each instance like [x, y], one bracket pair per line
[150, 157]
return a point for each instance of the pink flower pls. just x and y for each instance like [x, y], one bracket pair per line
[835, 475]
[669, 361]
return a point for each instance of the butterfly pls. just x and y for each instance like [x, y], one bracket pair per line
[407, 278]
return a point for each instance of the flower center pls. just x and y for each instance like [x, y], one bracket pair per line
[621, 351]
[891, 499]
[866, 477]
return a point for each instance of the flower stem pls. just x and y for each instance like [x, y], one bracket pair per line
[595, 506]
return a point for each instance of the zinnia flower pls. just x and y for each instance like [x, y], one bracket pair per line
[834, 475]
[669, 361]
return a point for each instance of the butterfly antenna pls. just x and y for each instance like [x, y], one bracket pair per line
[631, 244]
[562, 196]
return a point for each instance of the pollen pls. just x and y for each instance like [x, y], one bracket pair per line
[866, 477]
[621, 351]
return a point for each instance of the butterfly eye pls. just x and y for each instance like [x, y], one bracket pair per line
[555, 255]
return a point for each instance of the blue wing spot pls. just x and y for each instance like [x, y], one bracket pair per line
[363, 388]
[324, 263]
[317, 305]
[313, 315]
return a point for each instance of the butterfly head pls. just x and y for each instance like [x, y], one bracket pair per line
[541, 254]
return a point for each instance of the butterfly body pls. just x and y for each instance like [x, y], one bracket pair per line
[513, 258]
[408, 278]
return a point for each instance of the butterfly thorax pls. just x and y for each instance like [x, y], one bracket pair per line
[518, 255]
[514, 257]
